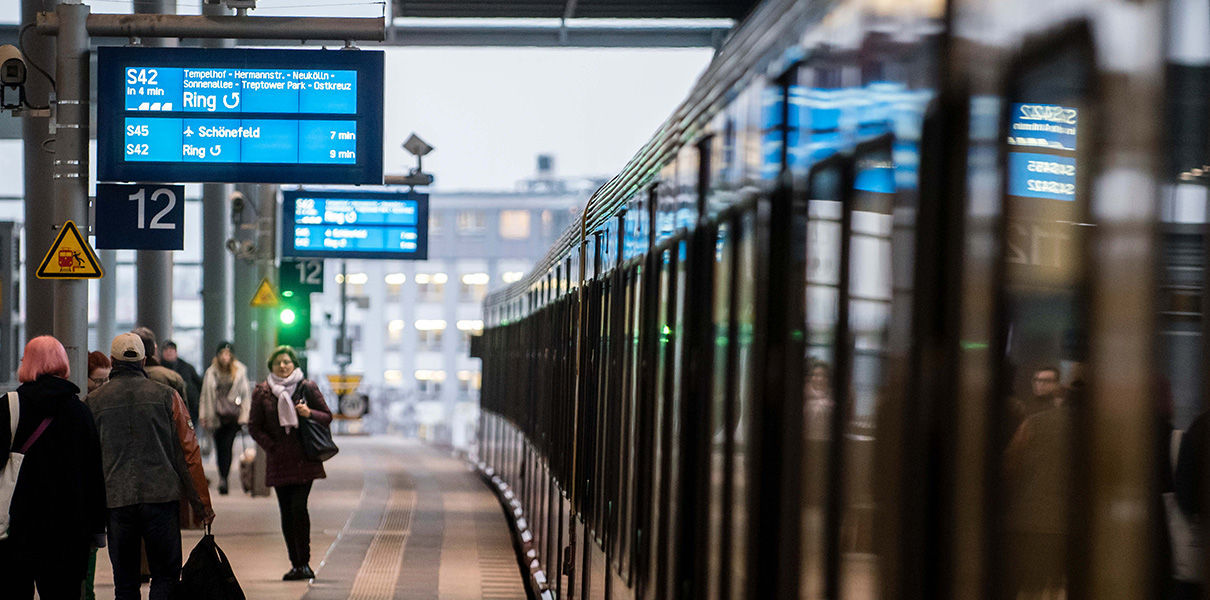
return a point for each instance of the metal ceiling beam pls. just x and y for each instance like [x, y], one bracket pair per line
[546, 36]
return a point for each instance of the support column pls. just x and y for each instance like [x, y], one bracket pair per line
[243, 219]
[39, 162]
[71, 178]
[266, 236]
[153, 279]
[216, 230]
[107, 300]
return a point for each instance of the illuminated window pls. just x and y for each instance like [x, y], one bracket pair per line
[474, 287]
[514, 224]
[430, 325]
[395, 330]
[434, 223]
[430, 287]
[512, 276]
[392, 375]
[471, 222]
[395, 283]
[430, 334]
[468, 381]
[470, 325]
[428, 383]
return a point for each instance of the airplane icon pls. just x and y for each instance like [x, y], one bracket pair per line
[188, 131]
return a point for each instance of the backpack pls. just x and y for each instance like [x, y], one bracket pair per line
[12, 467]
[207, 575]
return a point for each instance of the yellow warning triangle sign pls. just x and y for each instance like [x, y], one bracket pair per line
[265, 294]
[70, 257]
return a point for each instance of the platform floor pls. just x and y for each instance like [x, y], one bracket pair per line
[395, 519]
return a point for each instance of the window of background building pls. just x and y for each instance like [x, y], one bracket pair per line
[514, 224]
[512, 276]
[468, 382]
[395, 330]
[548, 224]
[395, 283]
[392, 376]
[474, 287]
[468, 328]
[430, 287]
[429, 333]
[428, 383]
[357, 283]
[434, 223]
[471, 222]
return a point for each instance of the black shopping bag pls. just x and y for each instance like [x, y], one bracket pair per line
[207, 574]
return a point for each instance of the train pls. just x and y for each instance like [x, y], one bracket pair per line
[784, 353]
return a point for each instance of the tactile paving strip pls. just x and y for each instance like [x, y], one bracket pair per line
[379, 572]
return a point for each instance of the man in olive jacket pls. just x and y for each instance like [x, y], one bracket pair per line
[151, 461]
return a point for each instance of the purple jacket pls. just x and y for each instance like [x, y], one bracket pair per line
[287, 463]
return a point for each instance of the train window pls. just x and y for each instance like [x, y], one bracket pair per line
[825, 194]
[661, 433]
[1042, 339]
[744, 403]
[717, 538]
[630, 414]
[675, 400]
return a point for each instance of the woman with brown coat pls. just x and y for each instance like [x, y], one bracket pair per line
[277, 405]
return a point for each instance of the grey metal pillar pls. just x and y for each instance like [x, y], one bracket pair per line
[107, 300]
[71, 178]
[216, 230]
[39, 214]
[243, 219]
[153, 279]
[266, 236]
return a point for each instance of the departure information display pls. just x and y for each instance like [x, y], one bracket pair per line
[239, 115]
[340, 224]
[1042, 151]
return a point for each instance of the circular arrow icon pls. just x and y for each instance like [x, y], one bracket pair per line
[231, 100]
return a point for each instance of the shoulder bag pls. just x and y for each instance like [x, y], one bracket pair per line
[12, 468]
[316, 437]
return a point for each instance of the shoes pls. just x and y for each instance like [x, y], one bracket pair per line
[222, 489]
[299, 574]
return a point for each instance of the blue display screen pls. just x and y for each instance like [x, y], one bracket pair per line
[339, 224]
[1042, 151]
[239, 115]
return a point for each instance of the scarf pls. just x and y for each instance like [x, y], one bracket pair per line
[284, 390]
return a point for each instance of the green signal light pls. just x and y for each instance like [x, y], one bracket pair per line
[287, 293]
[287, 316]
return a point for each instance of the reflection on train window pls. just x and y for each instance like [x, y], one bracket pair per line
[745, 318]
[720, 393]
[869, 309]
[823, 215]
[1043, 335]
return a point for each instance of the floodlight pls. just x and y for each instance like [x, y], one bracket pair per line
[416, 146]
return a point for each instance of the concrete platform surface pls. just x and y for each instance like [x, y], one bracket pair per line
[395, 519]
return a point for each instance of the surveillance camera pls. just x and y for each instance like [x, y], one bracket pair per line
[12, 66]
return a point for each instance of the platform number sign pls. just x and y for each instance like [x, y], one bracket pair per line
[302, 275]
[140, 217]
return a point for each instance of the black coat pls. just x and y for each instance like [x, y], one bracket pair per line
[193, 384]
[60, 493]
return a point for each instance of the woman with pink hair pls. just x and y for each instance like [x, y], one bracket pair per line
[57, 512]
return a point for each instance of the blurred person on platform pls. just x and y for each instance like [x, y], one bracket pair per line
[225, 403]
[155, 371]
[277, 404]
[193, 382]
[57, 512]
[98, 369]
[151, 461]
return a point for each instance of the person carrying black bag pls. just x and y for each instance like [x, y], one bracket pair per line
[207, 575]
[278, 405]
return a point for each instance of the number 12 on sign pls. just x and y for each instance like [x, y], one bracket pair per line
[140, 217]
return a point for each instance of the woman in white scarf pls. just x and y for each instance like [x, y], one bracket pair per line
[278, 403]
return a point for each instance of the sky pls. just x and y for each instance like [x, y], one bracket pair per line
[490, 111]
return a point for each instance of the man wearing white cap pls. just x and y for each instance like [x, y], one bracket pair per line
[151, 461]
